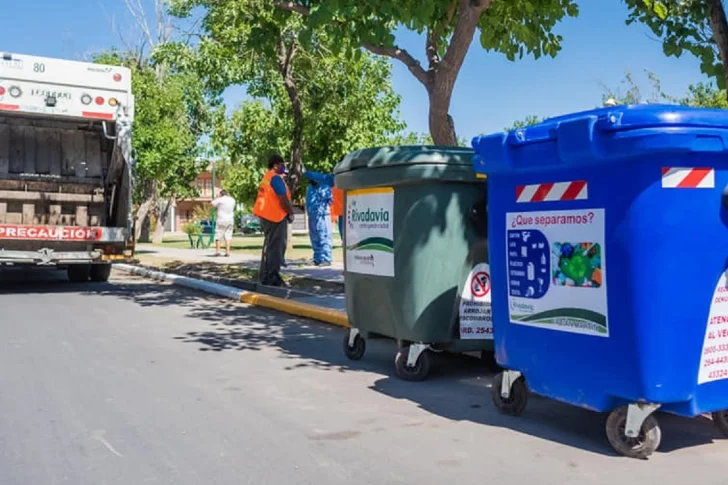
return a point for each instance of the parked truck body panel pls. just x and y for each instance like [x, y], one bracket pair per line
[65, 163]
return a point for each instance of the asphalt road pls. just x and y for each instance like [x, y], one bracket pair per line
[133, 382]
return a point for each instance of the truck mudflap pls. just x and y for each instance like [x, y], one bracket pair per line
[20, 232]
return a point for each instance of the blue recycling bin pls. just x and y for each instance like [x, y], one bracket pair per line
[608, 236]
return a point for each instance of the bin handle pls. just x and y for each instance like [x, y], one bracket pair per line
[359, 162]
[724, 197]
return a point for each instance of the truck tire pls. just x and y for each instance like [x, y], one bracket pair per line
[100, 272]
[78, 273]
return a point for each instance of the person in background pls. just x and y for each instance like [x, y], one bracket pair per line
[318, 209]
[225, 221]
[274, 209]
[337, 211]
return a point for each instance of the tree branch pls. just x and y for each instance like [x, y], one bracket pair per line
[292, 7]
[404, 57]
[468, 18]
[433, 36]
[395, 52]
[136, 10]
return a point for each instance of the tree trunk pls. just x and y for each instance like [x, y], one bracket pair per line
[719, 26]
[285, 65]
[161, 222]
[142, 224]
[442, 126]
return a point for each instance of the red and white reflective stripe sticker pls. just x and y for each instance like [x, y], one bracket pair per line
[100, 116]
[688, 178]
[62, 233]
[576, 190]
[9, 107]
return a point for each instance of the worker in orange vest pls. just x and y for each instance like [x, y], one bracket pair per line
[337, 210]
[275, 210]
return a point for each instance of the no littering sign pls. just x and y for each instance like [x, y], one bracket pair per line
[480, 284]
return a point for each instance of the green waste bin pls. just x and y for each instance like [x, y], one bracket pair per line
[416, 253]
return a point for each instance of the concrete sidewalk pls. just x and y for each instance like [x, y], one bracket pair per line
[334, 273]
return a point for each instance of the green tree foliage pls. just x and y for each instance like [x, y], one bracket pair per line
[695, 26]
[309, 102]
[512, 27]
[701, 95]
[410, 138]
[704, 95]
[171, 115]
[527, 121]
[629, 91]
[347, 105]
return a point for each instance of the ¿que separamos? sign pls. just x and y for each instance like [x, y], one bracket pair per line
[557, 270]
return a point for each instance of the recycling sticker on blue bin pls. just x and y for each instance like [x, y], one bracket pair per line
[557, 270]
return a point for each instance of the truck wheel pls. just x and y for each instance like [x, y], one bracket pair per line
[640, 447]
[79, 273]
[100, 272]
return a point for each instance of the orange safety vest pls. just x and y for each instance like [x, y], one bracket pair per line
[337, 206]
[268, 205]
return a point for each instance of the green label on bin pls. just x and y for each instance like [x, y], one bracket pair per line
[369, 231]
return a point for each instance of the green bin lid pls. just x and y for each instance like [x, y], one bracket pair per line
[394, 156]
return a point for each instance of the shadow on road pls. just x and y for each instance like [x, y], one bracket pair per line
[458, 389]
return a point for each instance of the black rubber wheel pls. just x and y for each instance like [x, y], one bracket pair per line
[100, 272]
[79, 273]
[640, 447]
[516, 403]
[357, 351]
[720, 420]
[417, 372]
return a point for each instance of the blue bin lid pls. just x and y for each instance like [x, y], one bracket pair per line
[593, 123]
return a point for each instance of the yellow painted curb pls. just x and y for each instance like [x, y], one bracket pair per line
[328, 315]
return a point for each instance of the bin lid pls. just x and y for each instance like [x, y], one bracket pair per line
[582, 128]
[624, 117]
[401, 156]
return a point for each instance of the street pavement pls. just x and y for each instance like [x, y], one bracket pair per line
[135, 382]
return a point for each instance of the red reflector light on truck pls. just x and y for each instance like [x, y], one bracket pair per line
[99, 100]
[2, 91]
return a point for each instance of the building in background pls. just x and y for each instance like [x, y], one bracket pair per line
[183, 210]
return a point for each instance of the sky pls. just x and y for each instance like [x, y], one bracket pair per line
[490, 94]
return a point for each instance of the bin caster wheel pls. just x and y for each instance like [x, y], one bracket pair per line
[720, 420]
[640, 447]
[415, 373]
[516, 403]
[355, 352]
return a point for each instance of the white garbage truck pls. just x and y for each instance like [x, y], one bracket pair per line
[66, 167]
